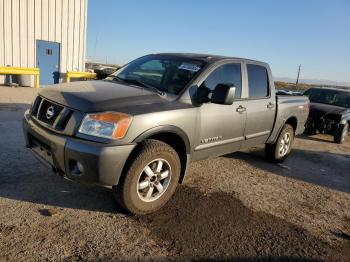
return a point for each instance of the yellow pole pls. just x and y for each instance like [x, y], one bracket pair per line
[37, 81]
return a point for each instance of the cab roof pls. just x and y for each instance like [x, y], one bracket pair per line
[206, 57]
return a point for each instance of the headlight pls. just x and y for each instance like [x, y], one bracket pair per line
[107, 124]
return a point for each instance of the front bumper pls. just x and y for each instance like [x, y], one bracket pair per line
[98, 163]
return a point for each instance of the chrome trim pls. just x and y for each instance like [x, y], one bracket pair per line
[219, 143]
[257, 134]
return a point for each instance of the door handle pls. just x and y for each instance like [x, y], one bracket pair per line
[270, 105]
[241, 109]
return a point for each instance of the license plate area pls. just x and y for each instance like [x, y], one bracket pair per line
[40, 149]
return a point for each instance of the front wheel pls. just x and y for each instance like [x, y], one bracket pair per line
[151, 178]
[280, 150]
[341, 133]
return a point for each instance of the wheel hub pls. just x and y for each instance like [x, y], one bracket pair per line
[285, 144]
[154, 180]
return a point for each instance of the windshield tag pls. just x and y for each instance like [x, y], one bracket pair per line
[189, 67]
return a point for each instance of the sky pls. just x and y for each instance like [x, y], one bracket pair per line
[313, 33]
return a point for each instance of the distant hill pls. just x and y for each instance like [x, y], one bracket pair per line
[320, 82]
[302, 86]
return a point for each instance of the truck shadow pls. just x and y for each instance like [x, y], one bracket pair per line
[320, 168]
[195, 225]
[327, 139]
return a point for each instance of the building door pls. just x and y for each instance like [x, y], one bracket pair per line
[48, 60]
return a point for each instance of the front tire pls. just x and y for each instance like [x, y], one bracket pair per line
[279, 151]
[341, 133]
[151, 178]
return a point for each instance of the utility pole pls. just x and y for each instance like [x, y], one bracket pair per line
[297, 82]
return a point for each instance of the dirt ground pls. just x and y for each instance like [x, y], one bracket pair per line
[235, 207]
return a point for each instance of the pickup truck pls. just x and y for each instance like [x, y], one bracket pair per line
[329, 112]
[138, 130]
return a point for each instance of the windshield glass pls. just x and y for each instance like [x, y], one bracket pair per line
[330, 97]
[168, 74]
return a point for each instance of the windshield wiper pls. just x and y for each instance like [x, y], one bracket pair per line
[142, 84]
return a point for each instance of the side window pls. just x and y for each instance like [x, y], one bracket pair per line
[226, 74]
[258, 81]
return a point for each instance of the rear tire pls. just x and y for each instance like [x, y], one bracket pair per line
[151, 178]
[341, 133]
[280, 150]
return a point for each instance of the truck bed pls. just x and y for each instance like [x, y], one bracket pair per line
[290, 106]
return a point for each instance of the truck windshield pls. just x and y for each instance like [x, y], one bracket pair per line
[330, 97]
[167, 74]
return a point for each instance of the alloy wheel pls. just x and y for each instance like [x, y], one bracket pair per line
[154, 180]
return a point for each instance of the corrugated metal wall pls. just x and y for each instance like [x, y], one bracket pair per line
[22, 22]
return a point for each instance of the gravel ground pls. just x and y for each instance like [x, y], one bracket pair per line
[235, 207]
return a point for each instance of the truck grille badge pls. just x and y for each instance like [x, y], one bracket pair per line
[50, 112]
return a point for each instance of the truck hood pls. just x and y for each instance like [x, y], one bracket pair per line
[324, 109]
[97, 96]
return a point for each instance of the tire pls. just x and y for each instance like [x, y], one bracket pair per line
[140, 189]
[341, 133]
[273, 152]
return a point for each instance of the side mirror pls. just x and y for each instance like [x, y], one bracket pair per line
[202, 95]
[223, 94]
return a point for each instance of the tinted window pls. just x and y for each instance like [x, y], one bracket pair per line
[258, 81]
[330, 97]
[226, 74]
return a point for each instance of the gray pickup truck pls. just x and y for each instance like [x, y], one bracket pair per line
[138, 130]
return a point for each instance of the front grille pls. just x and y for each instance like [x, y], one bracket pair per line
[36, 105]
[49, 112]
[53, 115]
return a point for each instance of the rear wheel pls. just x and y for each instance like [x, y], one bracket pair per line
[341, 133]
[151, 179]
[280, 150]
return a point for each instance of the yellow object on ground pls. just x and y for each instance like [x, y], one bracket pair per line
[6, 70]
[71, 74]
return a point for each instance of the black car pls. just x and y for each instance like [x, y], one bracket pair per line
[329, 112]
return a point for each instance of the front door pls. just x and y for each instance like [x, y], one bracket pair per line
[48, 60]
[221, 127]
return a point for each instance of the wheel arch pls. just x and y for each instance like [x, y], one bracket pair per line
[293, 122]
[173, 136]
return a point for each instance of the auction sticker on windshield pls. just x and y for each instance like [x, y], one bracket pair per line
[189, 67]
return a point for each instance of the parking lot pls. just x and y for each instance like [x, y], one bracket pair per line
[236, 207]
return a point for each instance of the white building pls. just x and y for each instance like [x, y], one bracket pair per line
[48, 34]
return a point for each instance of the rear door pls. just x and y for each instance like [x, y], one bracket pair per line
[261, 105]
[48, 60]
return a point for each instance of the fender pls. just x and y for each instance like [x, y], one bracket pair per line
[274, 135]
[168, 129]
[345, 119]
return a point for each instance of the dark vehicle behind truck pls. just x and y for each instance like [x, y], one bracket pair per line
[329, 112]
[138, 130]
